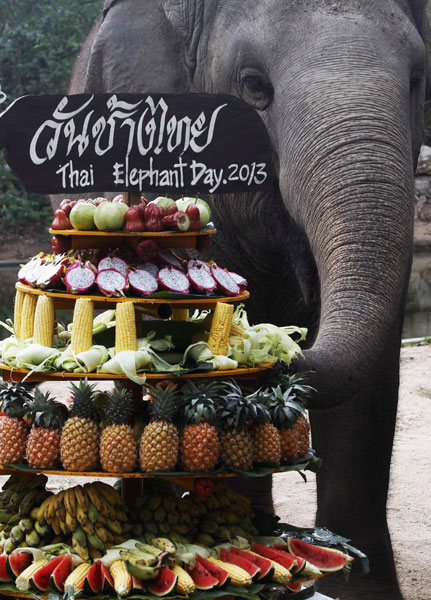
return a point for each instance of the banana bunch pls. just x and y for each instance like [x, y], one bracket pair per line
[91, 518]
[21, 495]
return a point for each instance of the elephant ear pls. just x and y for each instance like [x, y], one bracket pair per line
[135, 49]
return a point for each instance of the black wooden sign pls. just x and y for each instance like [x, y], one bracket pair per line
[194, 143]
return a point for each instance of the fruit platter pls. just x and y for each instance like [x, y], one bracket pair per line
[199, 544]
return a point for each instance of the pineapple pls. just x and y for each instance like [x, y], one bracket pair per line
[43, 442]
[118, 451]
[79, 443]
[235, 437]
[200, 447]
[266, 439]
[160, 440]
[13, 429]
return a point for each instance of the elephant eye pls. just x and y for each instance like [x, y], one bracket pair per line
[255, 89]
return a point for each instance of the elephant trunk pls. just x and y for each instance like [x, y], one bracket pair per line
[353, 198]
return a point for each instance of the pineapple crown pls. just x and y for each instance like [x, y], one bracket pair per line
[198, 402]
[83, 401]
[285, 407]
[119, 407]
[164, 405]
[233, 408]
[259, 407]
[13, 397]
[44, 411]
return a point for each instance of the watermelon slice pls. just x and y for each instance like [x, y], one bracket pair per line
[4, 572]
[93, 580]
[137, 585]
[301, 561]
[41, 579]
[219, 573]
[293, 587]
[106, 581]
[61, 573]
[325, 559]
[283, 558]
[229, 557]
[265, 565]
[15, 564]
[202, 579]
[164, 584]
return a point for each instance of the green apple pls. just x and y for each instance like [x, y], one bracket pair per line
[163, 202]
[109, 216]
[204, 209]
[82, 216]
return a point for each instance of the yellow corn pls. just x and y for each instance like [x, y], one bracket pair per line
[121, 576]
[26, 327]
[237, 575]
[44, 321]
[235, 330]
[185, 584]
[22, 582]
[82, 330]
[75, 581]
[17, 316]
[180, 314]
[220, 328]
[125, 327]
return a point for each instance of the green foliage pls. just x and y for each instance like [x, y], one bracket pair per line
[39, 42]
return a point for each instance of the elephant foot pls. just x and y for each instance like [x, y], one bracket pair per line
[359, 587]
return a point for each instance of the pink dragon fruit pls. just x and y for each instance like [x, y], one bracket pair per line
[167, 258]
[113, 262]
[36, 271]
[173, 280]
[240, 280]
[79, 277]
[111, 282]
[26, 271]
[143, 282]
[52, 273]
[198, 263]
[200, 277]
[225, 282]
[150, 267]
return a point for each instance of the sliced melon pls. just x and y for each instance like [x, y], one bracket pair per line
[61, 573]
[229, 557]
[202, 578]
[41, 578]
[265, 565]
[106, 581]
[4, 571]
[301, 561]
[15, 564]
[283, 558]
[93, 580]
[164, 584]
[219, 573]
[325, 559]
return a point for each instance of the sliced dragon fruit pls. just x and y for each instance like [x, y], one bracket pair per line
[198, 263]
[200, 278]
[33, 274]
[150, 267]
[28, 267]
[111, 282]
[51, 275]
[113, 262]
[167, 258]
[143, 282]
[173, 280]
[225, 282]
[240, 280]
[79, 277]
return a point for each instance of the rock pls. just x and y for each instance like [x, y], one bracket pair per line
[423, 209]
[424, 161]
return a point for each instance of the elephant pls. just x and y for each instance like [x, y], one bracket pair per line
[340, 87]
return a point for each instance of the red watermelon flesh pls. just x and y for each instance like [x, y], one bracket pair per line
[164, 584]
[301, 561]
[4, 574]
[61, 573]
[40, 580]
[325, 559]
[15, 564]
[137, 584]
[219, 573]
[264, 564]
[202, 579]
[229, 557]
[293, 587]
[93, 580]
[283, 558]
[106, 581]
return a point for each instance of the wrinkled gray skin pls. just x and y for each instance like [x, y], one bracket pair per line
[340, 87]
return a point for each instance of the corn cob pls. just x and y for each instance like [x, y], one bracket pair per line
[125, 327]
[235, 330]
[17, 315]
[27, 319]
[281, 574]
[44, 321]
[22, 582]
[82, 331]
[75, 581]
[121, 576]
[237, 575]
[220, 328]
[185, 584]
[180, 314]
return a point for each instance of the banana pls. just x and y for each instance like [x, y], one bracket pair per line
[81, 497]
[163, 528]
[5, 516]
[55, 524]
[163, 544]
[146, 559]
[41, 510]
[79, 535]
[71, 522]
[42, 530]
[126, 527]
[88, 527]
[28, 502]
[33, 513]
[95, 554]
[32, 538]
[49, 513]
[146, 515]
[169, 503]
[107, 509]
[81, 551]
[63, 527]
[160, 515]
[26, 525]
[94, 540]
[14, 520]
[120, 515]
[140, 572]
[114, 526]
[109, 493]
[81, 515]
[70, 502]
[94, 496]
[93, 513]
[102, 533]
[154, 502]
[149, 549]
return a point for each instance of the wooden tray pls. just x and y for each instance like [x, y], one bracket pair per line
[67, 301]
[17, 375]
[101, 239]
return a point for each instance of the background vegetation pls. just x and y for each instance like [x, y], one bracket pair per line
[39, 42]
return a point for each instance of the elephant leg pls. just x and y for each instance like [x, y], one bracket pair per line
[258, 489]
[355, 443]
